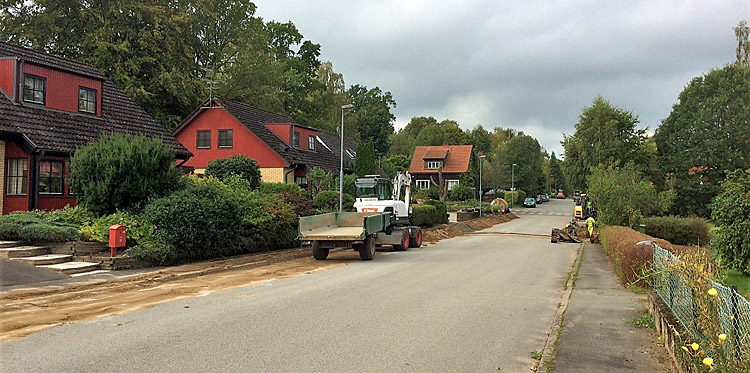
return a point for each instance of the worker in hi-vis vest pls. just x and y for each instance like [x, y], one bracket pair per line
[590, 222]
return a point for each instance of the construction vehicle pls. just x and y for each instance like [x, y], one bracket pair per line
[382, 218]
[567, 234]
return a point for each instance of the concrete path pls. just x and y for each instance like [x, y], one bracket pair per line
[598, 330]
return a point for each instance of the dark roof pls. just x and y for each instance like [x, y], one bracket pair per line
[61, 131]
[325, 156]
[53, 62]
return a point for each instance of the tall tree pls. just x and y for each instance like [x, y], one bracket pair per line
[526, 153]
[706, 134]
[480, 138]
[432, 135]
[555, 172]
[742, 31]
[364, 164]
[372, 108]
[604, 135]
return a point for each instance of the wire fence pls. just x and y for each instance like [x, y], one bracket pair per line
[733, 310]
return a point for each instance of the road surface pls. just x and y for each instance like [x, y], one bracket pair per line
[482, 302]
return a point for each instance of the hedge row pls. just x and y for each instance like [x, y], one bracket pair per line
[424, 215]
[442, 210]
[520, 195]
[679, 231]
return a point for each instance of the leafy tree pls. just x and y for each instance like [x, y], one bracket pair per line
[416, 125]
[707, 132]
[556, 173]
[731, 213]
[526, 153]
[623, 196]
[454, 135]
[119, 172]
[320, 180]
[742, 31]
[402, 144]
[364, 164]
[500, 136]
[480, 138]
[372, 108]
[240, 165]
[396, 163]
[604, 135]
[432, 135]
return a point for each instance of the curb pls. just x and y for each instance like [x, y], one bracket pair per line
[556, 330]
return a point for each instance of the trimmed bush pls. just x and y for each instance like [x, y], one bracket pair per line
[300, 204]
[441, 210]
[677, 230]
[274, 188]
[119, 171]
[520, 195]
[240, 165]
[461, 193]
[328, 200]
[30, 228]
[424, 215]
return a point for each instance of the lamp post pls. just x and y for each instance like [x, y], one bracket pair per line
[341, 165]
[481, 157]
[512, 184]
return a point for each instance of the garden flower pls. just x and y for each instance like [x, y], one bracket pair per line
[722, 336]
[686, 349]
[695, 346]
[712, 292]
[708, 361]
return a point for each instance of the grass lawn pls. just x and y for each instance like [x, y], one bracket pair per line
[738, 279]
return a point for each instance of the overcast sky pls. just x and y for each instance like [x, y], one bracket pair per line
[529, 65]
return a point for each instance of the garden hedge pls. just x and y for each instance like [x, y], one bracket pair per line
[328, 200]
[424, 215]
[28, 227]
[679, 231]
[520, 196]
[441, 210]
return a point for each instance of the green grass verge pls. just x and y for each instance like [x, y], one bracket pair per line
[738, 279]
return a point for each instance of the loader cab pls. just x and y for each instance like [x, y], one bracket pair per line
[373, 189]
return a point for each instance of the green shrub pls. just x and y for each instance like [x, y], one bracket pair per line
[78, 215]
[461, 193]
[138, 229]
[240, 165]
[519, 196]
[424, 215]
[731, 213]
[329, 200]
[441, 210]
[433, 192]
[274, 188]
[30, 228]
[201, 222]
[300, 204]
[677, 230]
[119, 171]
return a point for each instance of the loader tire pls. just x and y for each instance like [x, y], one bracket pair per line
[319, 253]
[404, 242]
[416, 241]
[367, 250]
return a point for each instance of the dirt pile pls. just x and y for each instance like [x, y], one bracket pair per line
[450, 230]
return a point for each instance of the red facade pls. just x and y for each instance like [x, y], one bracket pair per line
[244, 141]
[62, 88]
[281, 130]
[7, 67]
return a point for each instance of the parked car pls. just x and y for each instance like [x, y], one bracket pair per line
[545, 197]
[560, 195]
[538, 199]
[529, 202]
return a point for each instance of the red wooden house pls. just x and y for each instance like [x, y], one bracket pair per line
[427, 160]
[49, 106]
[284, 150]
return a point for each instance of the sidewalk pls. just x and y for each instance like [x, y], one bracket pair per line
[598, 334]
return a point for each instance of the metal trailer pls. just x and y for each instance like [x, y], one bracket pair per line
[362, 231]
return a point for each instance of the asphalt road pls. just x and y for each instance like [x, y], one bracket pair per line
[474, 303]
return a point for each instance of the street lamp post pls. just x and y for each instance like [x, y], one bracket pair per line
[341, 165]
[481, 157]
[512, 183]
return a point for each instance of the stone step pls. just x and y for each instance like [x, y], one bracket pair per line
[23, 251]
[8, 244]
[47, 259]
[72, 267]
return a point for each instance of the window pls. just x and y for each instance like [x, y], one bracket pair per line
[452, 183]
[311, 142]
[34, 89]
[203, 139]
[433, 165]
[86, 100]
[51, 177]
[423, 184]
[301, 181]
[225, 138]
[16, 179]
[295, 143]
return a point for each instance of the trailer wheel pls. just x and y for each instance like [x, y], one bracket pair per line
[404, 243]
[319, 253]
[416, 241]
[367, 250]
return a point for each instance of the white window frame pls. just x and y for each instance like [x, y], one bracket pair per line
[452, 184]
[423, 184]
[311, 142]
[433, 165]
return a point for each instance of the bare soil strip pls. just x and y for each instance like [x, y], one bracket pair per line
[30, 310]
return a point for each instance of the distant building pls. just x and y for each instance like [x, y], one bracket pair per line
[50, 106]
[427, 161]
[285, 151]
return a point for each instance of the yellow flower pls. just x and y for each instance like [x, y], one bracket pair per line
[676, 333]
[722, 336]
[686, 349]
[695, 346]
[712, 292]
[708, 361]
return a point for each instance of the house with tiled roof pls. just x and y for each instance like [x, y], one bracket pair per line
[49, 107]
[429, 160]
[284, 150]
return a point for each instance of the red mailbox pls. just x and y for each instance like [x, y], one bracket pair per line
[116, 237]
